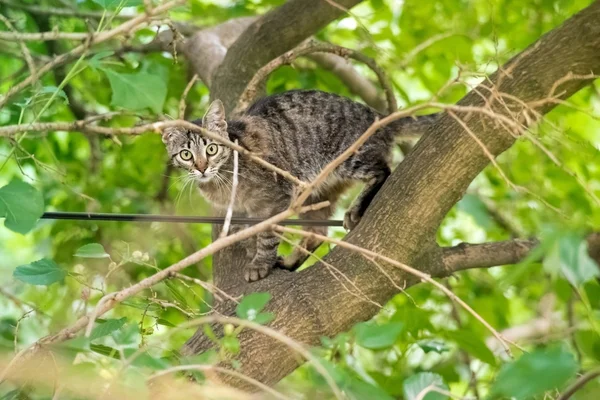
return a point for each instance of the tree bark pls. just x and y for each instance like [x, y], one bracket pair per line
[403, 219]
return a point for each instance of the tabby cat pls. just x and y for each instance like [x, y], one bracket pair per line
[300, 132]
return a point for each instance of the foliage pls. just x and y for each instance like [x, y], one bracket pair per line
[420, 338]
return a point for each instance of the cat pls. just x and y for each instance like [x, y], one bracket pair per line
[299, 131]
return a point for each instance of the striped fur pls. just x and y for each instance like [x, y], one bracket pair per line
[300, 132]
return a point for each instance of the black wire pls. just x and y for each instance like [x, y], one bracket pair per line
[82, 216]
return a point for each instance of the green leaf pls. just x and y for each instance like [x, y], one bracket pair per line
[264, 318]
[107, 327]
[589, 343]
[433, 345]
[112, 4]
[105, 351]
[359, 390]
[96, 60]
[42, 272]
[137, 91]
[375, 337]
[535, 373]
[91, 250]
[473, 345]
[231, 344]
[473, 205]
[414, 385]
[22, 205]
[208, 357]
[251, 305]
[164, 322]
[569, 256]
[59, 92]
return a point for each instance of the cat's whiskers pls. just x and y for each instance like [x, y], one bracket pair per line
[190, 178]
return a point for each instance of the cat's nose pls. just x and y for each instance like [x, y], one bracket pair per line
[201, 165]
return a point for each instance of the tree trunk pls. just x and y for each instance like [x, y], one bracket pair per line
[404, 217]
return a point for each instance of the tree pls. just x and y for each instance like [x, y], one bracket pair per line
[401, 227]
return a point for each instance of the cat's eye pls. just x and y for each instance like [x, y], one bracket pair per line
[212, 149]
[185, 155]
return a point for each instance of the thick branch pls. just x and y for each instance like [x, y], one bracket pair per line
[485, 255]
[275, 33]
[404, 217]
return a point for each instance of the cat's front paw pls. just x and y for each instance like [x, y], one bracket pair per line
[352, 218]
[255, 272]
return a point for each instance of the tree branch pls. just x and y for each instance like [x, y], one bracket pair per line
[60, 12]
[272, 35]
[251, 91]
[126, 27]
[417, 196]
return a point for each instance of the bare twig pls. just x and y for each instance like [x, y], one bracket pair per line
[265, 330]
[207, 286]
[61, 12]
[110, 301]
[234, 185]
[22, 45]
[183, 100]
[421, 275]
[581, 382]
[221, 370]
[43, 36]
[309, 47]
[85, 126]
[126, 27]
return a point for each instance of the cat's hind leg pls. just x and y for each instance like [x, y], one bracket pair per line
[374, 181]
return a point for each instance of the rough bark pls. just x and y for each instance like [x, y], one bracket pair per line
[404, 217]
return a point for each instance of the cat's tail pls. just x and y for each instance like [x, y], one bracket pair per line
[413, 127]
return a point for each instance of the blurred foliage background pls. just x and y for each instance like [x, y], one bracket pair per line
[420, 338]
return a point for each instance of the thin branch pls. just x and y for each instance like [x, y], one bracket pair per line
[358, 84]
[309, 47]
[421, 275]
[22, 45]
[183, 100]
[267, 331]
[329, 168]
[110, 301]
[234, 186]
[43, 36]
[61, 12]
[85, 126]
[580, 383]
[225, 371]
[127, 27]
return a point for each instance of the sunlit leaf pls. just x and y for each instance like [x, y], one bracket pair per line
[91, 250]
[535, 373]
[433, 345]
[137, 91]
[569, 257]
[112, 4]
[251, 305]
[106, 327]
[417, 384]
[473, 345]
[42, 272]
[372, 336]
[22, 205]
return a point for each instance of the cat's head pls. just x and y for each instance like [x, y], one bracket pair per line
[200, 156]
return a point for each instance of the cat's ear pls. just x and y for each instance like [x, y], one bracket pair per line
[214, 119]
[166, 134]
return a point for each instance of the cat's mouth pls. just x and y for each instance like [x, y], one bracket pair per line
[203, 177]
